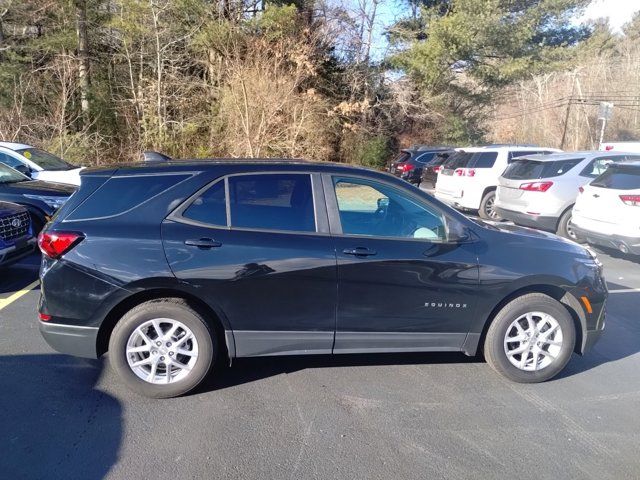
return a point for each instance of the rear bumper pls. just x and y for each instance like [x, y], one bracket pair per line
[528, 220]
[71, 339]
[12, 254]
[632, 244]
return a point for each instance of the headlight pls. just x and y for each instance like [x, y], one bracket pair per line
[593, 255]
[53, 202]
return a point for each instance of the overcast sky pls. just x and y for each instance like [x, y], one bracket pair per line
[618, 12]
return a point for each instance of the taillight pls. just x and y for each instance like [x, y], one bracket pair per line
[536, 186]
[437, 169]
[608, 148]
[631, 200]
[465, 172]
[407, 167]
[581, 189]
[55, 244]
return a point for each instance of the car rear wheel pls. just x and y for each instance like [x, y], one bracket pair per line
[487, 207]
[565, 228]
[531, 339]
[162, 348]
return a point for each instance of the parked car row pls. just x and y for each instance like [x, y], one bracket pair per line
[34, 184]
[533, 187]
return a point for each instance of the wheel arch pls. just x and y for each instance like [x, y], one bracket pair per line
[474, 342]
[570, 207]
[214, 318]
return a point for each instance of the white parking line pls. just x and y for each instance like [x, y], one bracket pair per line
[15, 296]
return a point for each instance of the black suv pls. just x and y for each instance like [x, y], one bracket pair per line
[409, 164]
[170, 266]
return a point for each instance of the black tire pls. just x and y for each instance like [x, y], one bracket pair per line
[171, 308]
[564, 228]
[486, 210]
[494, 349]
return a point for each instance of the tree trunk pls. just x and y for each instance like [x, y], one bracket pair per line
[83, 58]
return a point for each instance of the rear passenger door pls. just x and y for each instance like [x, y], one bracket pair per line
[257, 246]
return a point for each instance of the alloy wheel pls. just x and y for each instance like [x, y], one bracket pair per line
[533, 341]
[162, 351]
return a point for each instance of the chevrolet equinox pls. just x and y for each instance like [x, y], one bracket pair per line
[172, 266]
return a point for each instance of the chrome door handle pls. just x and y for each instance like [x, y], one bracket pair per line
[203, 243]
[359, 252]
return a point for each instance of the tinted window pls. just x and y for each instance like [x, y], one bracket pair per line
[9, 175]
[425, 157]
[374, 209]
[483, 159]
[457, 160]
[121, 194]
[9, 160]
[272, 201]
[45, 160]
[532, 169]
[210, 207]
[619, 178]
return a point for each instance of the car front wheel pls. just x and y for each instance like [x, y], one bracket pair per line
[162, 348]
[531, 339]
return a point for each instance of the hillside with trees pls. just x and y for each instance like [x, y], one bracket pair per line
[97, 81]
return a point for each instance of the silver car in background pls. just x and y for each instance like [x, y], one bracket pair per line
[539, 191]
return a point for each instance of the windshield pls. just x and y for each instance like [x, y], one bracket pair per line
[9, 175]
[45, 160]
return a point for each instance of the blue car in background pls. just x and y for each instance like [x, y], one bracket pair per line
[16, 233]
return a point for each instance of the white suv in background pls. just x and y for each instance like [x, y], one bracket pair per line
[468, 180]
[539, 191]
[607, 211]
[38, 164]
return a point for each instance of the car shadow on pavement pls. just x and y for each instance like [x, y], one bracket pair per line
[52, 424]
[245, 370]
[19, 275]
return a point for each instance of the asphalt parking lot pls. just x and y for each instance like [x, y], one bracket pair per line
[362, 416]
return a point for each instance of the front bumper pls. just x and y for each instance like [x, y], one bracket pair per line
[632, 244]
[71, 339]
[528, 220]
[12, 254]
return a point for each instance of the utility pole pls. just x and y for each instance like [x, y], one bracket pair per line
[566, 117]
[605, 112]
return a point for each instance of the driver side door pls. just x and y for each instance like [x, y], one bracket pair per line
[401, 285]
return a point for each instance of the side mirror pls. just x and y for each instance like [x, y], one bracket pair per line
[383, 203]
[23, 169]
[458, 233]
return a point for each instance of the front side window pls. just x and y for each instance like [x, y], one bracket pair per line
[375, 209]
[9, 175]
[272, 202]
[9, 160]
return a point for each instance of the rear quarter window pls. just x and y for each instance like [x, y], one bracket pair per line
[122, 194]
[533, 169]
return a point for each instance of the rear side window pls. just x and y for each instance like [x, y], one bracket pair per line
[272, 202]
[619, 179]
[210, 207]
[483, 160]
[425, 158]
[532, 169]
[121, 194]
[457, 160]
